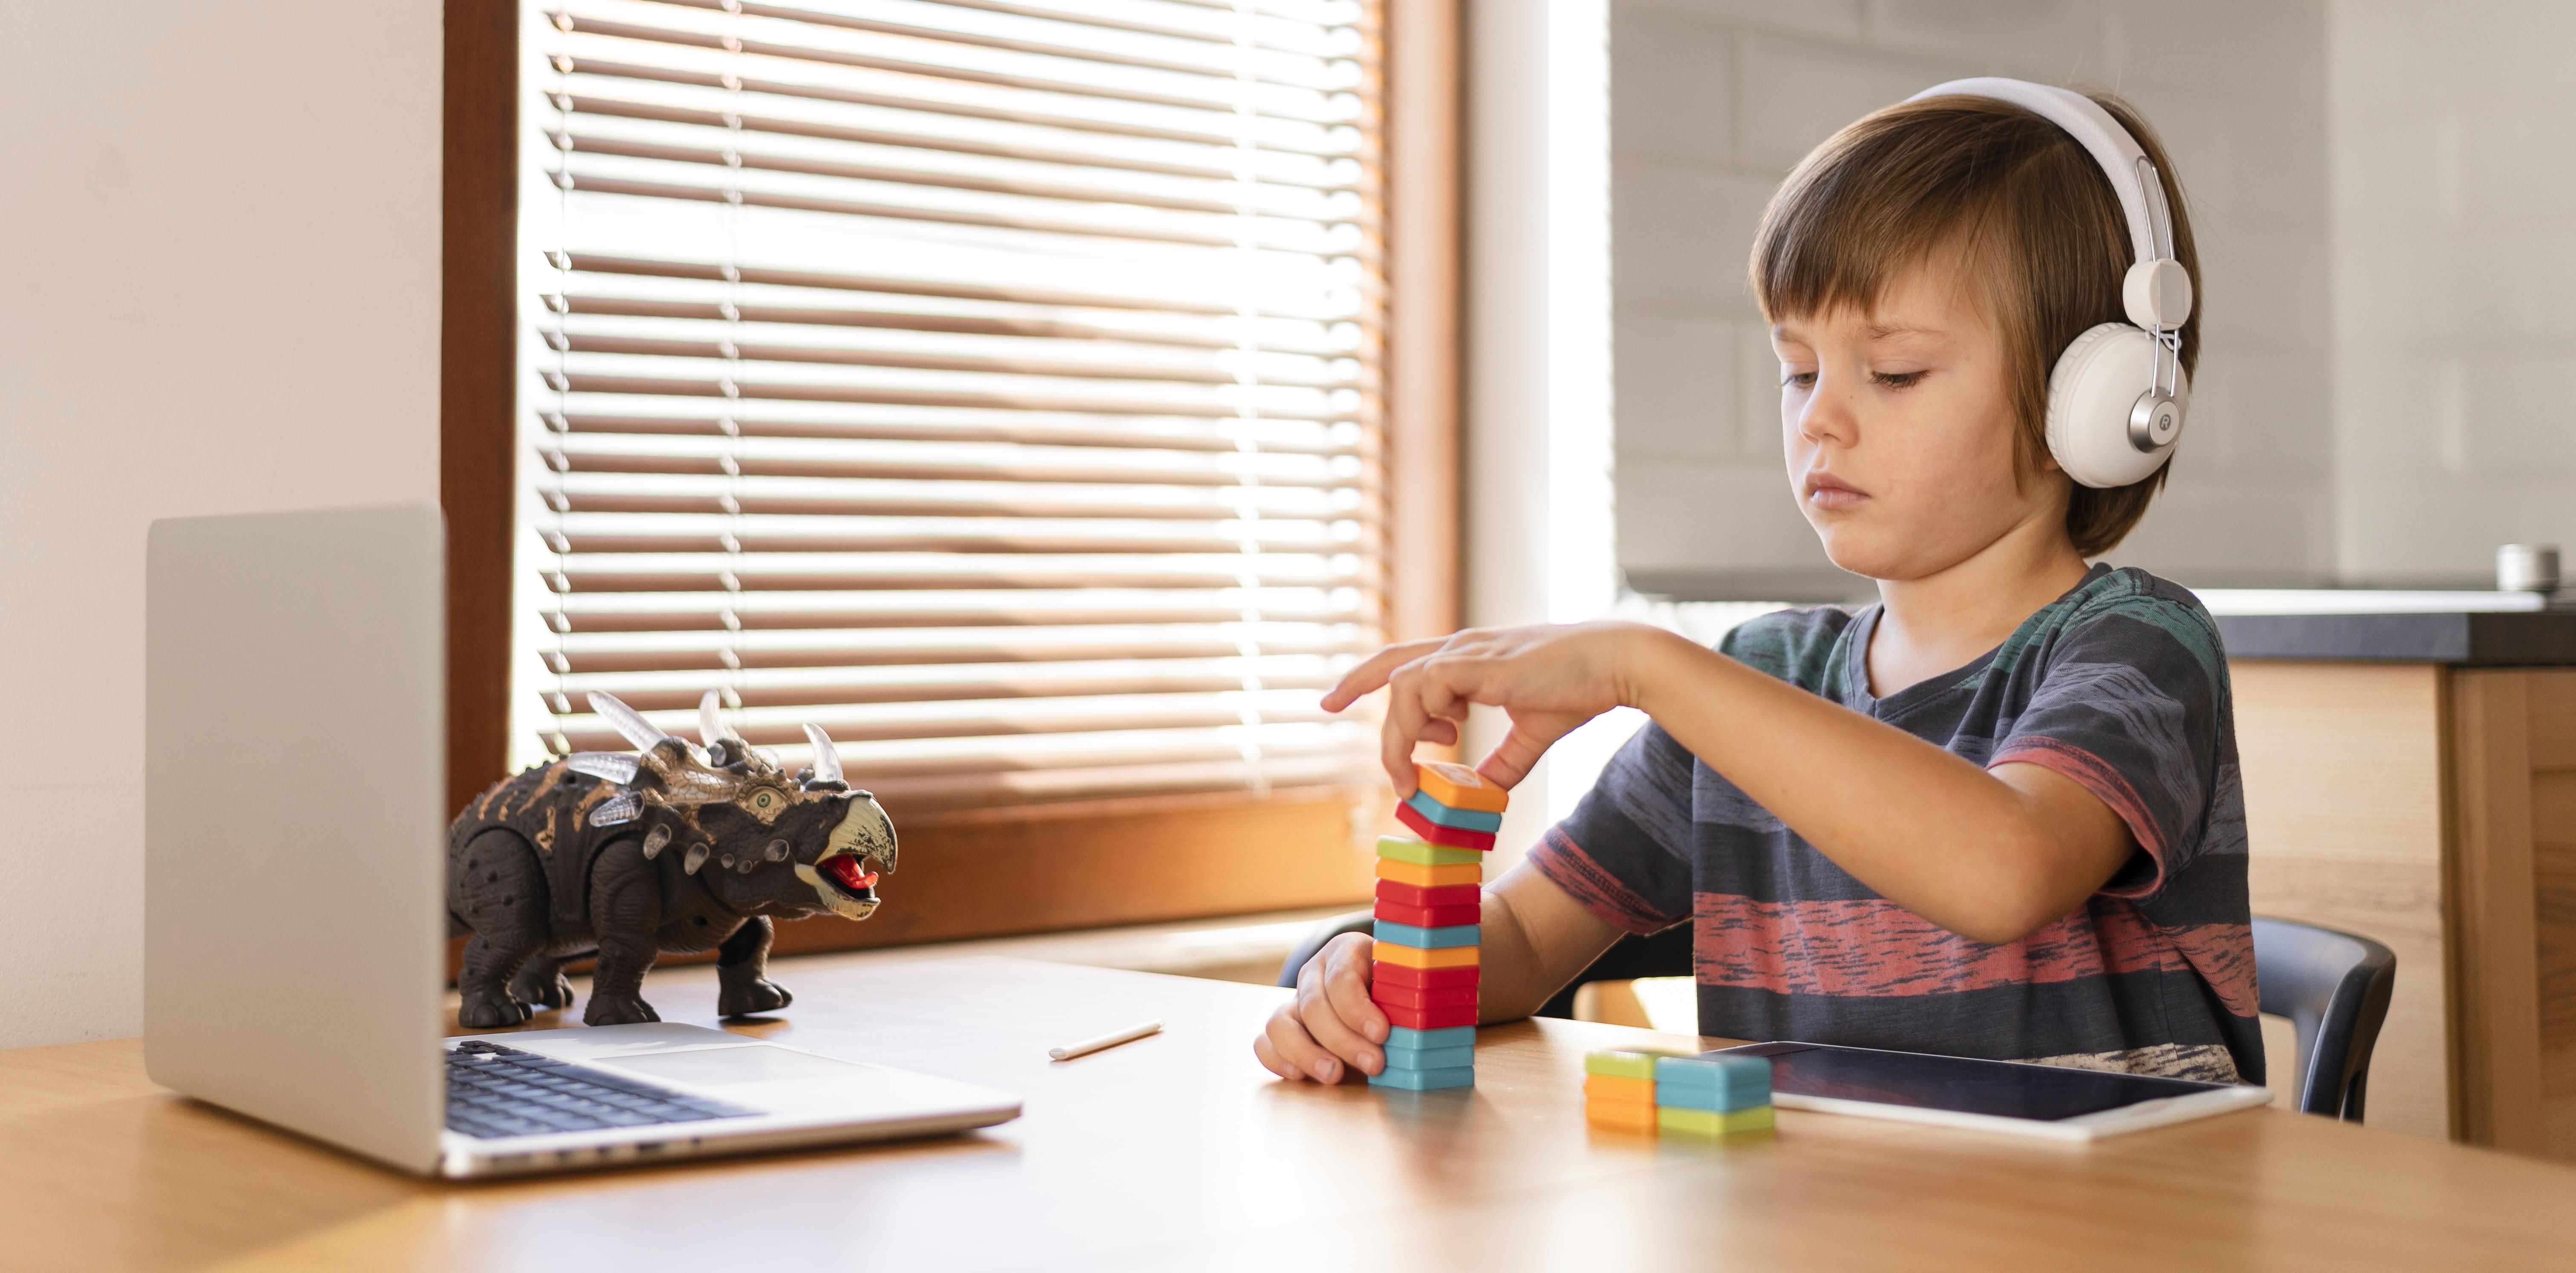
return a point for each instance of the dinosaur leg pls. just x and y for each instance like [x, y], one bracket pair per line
[742, 972]
[625, 909]
[499, 889]
[542, 984]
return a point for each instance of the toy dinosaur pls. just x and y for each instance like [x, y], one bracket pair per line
[671, 850]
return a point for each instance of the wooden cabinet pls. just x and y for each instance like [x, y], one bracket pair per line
[2433, 807]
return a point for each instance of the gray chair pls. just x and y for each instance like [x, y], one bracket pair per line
[2334, 988]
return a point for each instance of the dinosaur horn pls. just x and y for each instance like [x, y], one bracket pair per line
[638, 731]
[711, 727]
[827, 760]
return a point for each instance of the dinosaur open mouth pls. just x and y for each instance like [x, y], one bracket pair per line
[847, 873]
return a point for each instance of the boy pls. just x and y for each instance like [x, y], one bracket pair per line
[1995, 814]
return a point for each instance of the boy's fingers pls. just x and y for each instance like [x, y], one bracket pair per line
[1269, 1058]
[1346, 984]
[1373, 672]
[1443, 733]
[1297, 1048]
[1325, 1025]
[1404, 722]
[1518, 753]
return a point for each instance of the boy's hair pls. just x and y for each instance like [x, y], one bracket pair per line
[2034, 218]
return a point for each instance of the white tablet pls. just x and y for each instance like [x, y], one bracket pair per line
[2001, 1096]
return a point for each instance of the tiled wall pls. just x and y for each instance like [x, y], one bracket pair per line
[1712, 101]
[2454, 257]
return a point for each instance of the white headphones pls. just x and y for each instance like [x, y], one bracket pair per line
[2101, 428]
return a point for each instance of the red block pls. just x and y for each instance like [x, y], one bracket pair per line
[1404, 894]
[1422, 978]
[1390, 995]
[1428, 916]
[1429, 1018]
[1435, 833]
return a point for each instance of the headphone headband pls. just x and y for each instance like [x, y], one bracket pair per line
[2125, 162]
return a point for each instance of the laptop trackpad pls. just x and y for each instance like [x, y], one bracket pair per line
[759, 1063]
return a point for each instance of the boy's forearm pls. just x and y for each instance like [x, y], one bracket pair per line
[1925, 828]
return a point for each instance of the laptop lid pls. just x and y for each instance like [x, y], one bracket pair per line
[294, 773]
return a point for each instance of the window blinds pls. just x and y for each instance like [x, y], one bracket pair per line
[995, 384]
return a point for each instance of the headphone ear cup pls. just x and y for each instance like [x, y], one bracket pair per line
[2091, 391]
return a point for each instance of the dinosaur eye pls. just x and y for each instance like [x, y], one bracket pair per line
[763, 800]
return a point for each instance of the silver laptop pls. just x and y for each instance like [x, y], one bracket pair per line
[294, 898]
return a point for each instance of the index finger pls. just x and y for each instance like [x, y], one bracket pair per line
[1372, 672]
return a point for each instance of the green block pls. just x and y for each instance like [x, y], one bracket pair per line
[1421, 854]
[1627, 1063]
[1709, 1122]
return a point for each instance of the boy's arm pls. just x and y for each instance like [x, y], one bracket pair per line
[1535, 939]
[1992, 855]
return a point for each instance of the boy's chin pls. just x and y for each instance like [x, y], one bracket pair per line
[1866, 556]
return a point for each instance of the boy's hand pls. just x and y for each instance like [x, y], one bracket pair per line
[1329, 1027]
[1550, 678]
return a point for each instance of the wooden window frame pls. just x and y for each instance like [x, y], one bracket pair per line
[1027, 868]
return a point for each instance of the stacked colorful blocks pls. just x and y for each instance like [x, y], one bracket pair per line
[1705, 1095]
[1425, 963]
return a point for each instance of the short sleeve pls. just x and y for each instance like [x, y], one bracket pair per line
[2131, 707]
[1625, 851]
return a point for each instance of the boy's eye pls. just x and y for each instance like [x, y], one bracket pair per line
[1897, 379]
[1792, 379]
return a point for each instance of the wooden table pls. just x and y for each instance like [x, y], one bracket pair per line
[1179, 1152]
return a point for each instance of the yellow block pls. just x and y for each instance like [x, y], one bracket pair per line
[1387, 952]
[1430, 876]
[1459, 787]
[1627, 1116]
[1709, 1122]
[1612, 1087]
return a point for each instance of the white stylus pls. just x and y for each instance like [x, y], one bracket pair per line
[1110, 1040]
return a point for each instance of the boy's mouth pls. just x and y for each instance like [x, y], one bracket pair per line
[1828, 492]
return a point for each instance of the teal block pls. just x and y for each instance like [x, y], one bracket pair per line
[1426, 1080]
[1687, 1096]
[1456, 1036]
[1720, 1083]
[1430, 1058]
[1420, 938]
[1463, 819]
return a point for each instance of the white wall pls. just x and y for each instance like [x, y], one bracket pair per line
[1715, 100]
[2454, 257]
[219, 292]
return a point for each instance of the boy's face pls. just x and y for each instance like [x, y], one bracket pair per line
[1899, 430]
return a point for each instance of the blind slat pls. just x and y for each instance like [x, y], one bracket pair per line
[1272, 442]
[1209, 98]
[1035, 118]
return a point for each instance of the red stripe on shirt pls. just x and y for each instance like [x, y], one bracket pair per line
[1875, 947]
[1566, 865]
[2092, 773]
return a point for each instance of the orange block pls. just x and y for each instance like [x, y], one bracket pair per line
[1387, 952]
[1612, 1087]
[1627, 1116]
[1459, 787]
[1430, 876]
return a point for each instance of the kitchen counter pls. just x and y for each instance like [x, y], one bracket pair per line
[2455, 629]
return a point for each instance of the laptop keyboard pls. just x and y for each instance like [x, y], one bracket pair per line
[495, 1091]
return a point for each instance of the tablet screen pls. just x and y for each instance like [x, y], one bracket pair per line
[1961, 1084]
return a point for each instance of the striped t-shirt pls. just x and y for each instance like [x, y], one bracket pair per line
[2120, 685]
